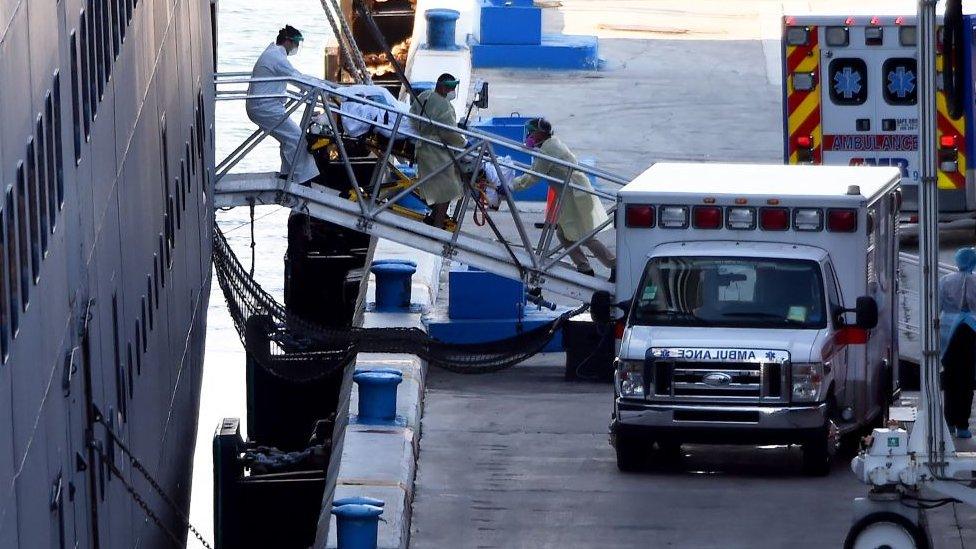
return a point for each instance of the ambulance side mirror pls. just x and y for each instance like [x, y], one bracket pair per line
[601, 305]
[866, 313]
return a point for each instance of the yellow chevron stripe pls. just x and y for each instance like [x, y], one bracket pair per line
[806, 107]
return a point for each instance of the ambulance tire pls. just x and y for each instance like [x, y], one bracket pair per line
[886, 529]
[632, 452]
[816, 457]
[819, 450]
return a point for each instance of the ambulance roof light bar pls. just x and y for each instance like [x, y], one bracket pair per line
[673, 217]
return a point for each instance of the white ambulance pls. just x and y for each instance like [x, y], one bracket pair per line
[759, 306]
[850, 97]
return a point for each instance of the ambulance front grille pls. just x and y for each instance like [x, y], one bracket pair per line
[732, 381]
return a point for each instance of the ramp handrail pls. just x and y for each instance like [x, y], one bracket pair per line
[537, 263]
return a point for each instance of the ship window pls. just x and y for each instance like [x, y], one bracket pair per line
[75, 104]
[187, 160]
[132, 381]
[106, 41]
[13, 262]
[30, 196]
[119, 372]
[193, 149]
[149, 295]
[99, 41]
[58, 147]
[85, 80]
[156, 278]
[162, 254]
[42, 170]
[116, 32]
[145, 335]
[138, 348]
[23, 236]
[4, 291]
[91, 87]
[179, 205]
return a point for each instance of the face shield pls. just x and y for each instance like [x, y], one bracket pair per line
[297, 40]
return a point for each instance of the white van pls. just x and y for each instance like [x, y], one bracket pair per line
[759, 306]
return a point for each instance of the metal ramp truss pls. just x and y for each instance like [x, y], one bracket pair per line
[539, 261]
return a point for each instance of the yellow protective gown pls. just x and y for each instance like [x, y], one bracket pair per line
[580, 211]
[446, 185]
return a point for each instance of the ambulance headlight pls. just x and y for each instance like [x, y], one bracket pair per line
[797, 36]
[630, 378]
[908, 36]
[741, 219]
[673, 217]
[804, 81]
[837, 36]
[807, 379]
[808, 219]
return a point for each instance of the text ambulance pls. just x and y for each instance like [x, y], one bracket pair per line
[850, 97]
[759, 306]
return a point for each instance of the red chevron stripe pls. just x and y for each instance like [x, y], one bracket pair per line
[797, 56]
[794, 100]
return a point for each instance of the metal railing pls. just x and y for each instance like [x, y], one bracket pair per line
[534, 261]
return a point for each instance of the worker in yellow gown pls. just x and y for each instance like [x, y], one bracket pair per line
[580, 212]
[445, 185]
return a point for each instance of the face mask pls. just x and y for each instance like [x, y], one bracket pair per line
[294, 50]
[451, 95]
[531, 141]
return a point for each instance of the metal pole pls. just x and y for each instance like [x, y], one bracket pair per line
[928, 210]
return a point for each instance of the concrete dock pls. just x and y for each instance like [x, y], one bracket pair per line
[521, 458]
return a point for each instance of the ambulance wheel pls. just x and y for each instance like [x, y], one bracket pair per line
[886, 530]
[819, 451]
[632, 452]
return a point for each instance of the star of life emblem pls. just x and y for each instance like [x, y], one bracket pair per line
[901, 82]
[847, 83]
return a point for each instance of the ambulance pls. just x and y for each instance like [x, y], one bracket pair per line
[850, 98]
[758, 307]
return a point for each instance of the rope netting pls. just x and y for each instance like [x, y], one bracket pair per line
[292, 348]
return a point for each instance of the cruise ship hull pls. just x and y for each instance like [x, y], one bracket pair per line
[106, 163]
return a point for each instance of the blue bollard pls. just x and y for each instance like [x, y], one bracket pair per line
[359, 500]
[394, 262]
[357, 526]
[441, 24]
[392, 286]
[377, 395]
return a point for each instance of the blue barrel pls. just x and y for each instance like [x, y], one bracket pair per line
[441, 24]
[377, 395]
[357, 526]
[358, 500]
[392, 286]
[394, 261]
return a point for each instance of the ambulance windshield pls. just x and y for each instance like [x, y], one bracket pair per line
[730, 292]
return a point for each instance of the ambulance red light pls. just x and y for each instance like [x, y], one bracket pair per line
[948, 141]
[900, 20]
[842, 220]
[804, 141]
[639, 216]
[707, 217]
[875, 20]
[774, 219]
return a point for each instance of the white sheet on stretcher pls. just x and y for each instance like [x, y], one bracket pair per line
[378, 118]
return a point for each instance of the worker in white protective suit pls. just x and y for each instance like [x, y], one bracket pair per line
[268, 112]
[435, 160]
[957, 305]
[580, 212]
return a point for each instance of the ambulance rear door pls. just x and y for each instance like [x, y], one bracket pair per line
[870, 97]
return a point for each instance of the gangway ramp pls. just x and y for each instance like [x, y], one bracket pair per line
[539, 261]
